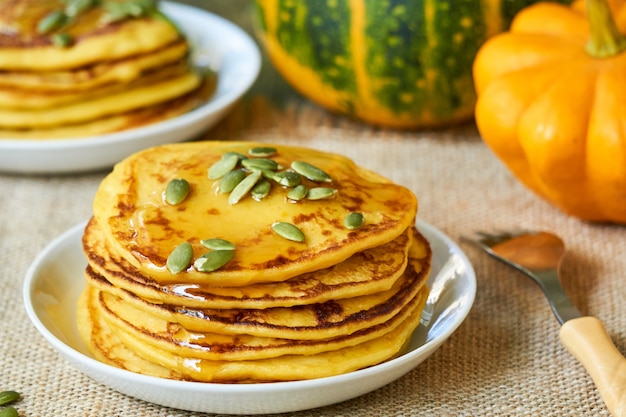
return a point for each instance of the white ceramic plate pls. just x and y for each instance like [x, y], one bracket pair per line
[217, 43]
[55, 280]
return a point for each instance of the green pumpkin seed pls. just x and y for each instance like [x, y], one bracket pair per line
[176, 191]
[243, 187]
[261, 190]
[52, 21]
[262, 151]
[150, 6]
[180, 258]
[297, 193]
[288, 231]
[161, 16]
[113, 12]
[214, 260]
[76, 7]
[230, 180]
[240, 156]
[62, 40]
[9, 412]
[111, 16]
[354, 220]
[320, 193]
[260, 164]
[117, 11]
[136, 9]
[223, 166]
[8, 397]
[287, 178]
[267, 174]
[218, 244]
[310, 172]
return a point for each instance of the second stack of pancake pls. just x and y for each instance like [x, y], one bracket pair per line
[341, 299]
[108, 66]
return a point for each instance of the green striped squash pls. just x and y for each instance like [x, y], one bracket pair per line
[394, 63]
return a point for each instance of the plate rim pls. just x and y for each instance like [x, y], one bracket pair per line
[85, 362]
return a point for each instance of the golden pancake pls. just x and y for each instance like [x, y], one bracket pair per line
[94, 40]
[142, 228]
[80, 69]
[317, 321]
[119, 122]
[106, 347]
[176, 339]
[98, 107]
[127, 351]
[365, 272]
[121, 71]
[26, 100]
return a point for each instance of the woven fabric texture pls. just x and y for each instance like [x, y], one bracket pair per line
[504, 360]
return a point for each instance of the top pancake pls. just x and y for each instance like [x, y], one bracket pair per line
[94, 41]
[140, 227]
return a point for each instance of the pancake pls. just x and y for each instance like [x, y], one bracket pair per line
[141, 228]
[365, 272]
[162, 335]
[80, 69]
[94, 41]
[106, 347]
[127, 351]
[119, 122]
[304, 322]
[100, 74]
[27, 100]
[93, 109]
[338, 285]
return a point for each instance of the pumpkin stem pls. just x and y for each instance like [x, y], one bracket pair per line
[606, 41]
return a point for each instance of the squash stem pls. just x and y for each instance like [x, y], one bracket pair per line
[606, 40]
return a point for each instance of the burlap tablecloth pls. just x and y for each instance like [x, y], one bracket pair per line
[504, 360]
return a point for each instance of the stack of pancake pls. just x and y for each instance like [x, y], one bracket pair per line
[323, 295]
[76, 68]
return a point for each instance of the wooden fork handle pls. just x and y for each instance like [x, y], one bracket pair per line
[587, 340]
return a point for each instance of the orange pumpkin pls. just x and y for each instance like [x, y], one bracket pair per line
[552, 105]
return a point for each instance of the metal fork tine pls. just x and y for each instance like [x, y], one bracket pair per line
[487, 240]
[492, 238]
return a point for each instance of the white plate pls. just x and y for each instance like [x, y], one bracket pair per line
[218, 43]
[55, 280]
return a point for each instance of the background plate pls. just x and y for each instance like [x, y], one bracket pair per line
[55, 279]
[216, 42]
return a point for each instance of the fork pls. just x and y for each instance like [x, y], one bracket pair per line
[539, 256]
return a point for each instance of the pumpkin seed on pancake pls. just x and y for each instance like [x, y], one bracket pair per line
[93, 40]
[316, 321]
[129, 197]
[370, 271]
[89, 77]
[125, 350]
[117, 103]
